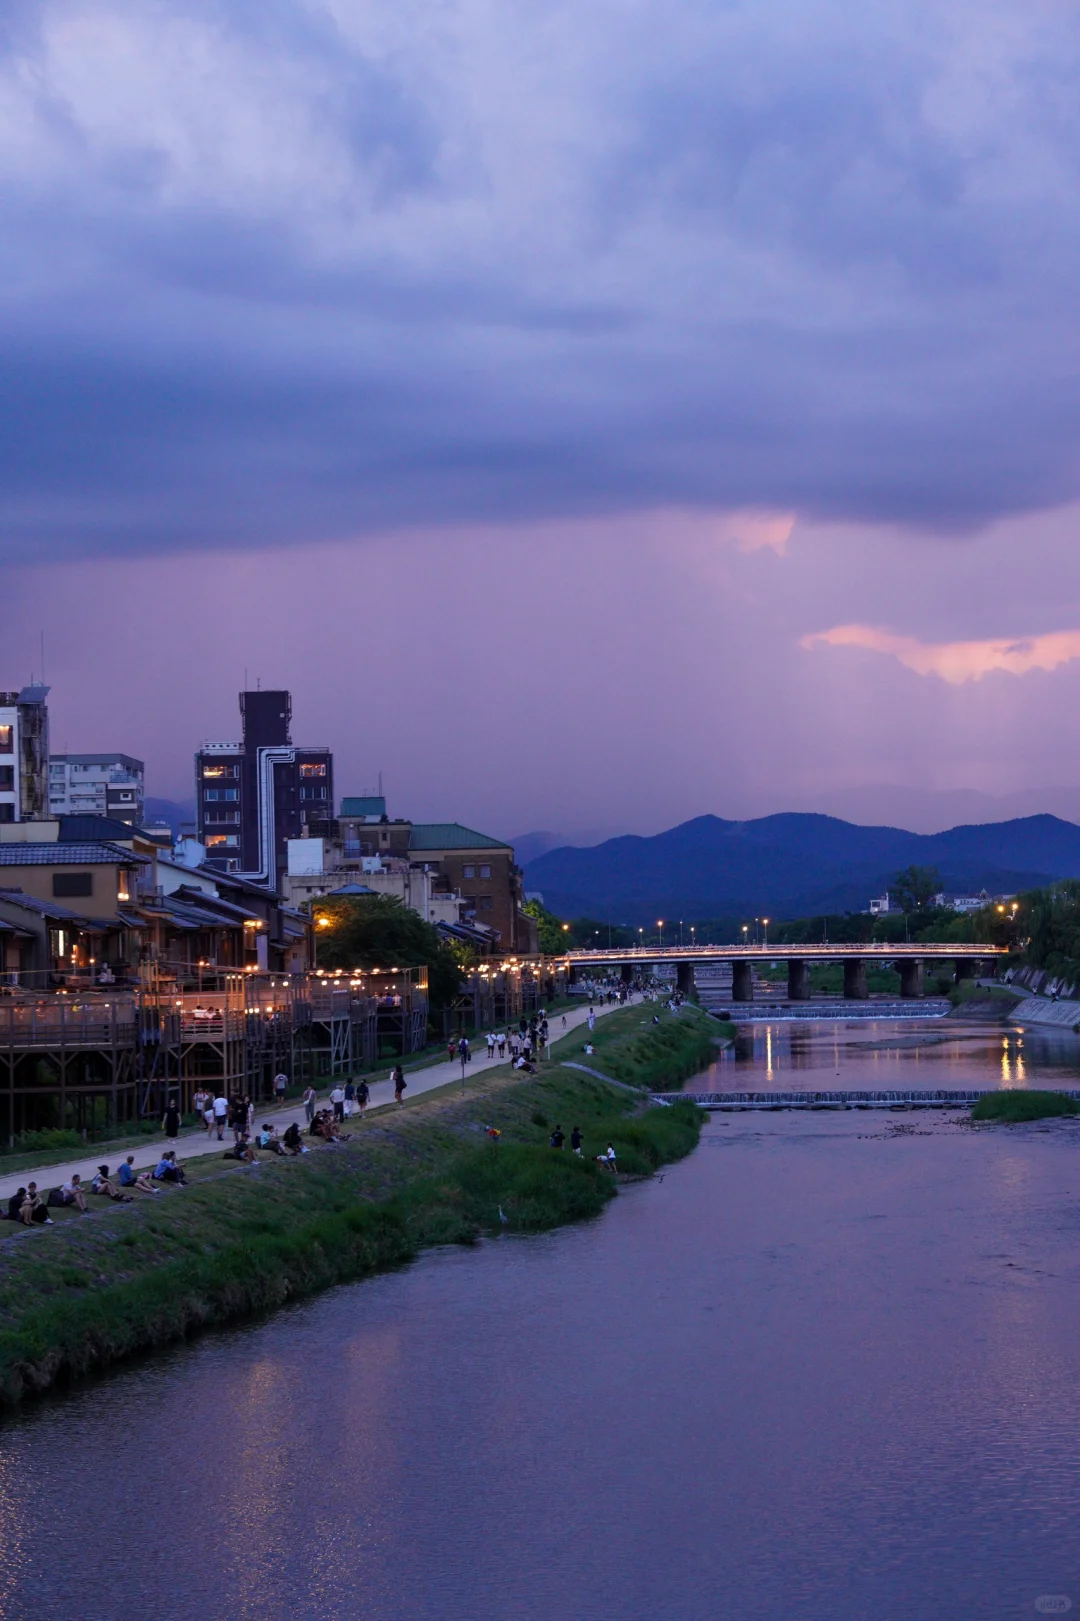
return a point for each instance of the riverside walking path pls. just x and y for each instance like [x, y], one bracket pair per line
[195, 1144]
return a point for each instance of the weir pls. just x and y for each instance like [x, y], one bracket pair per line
[735, 1101]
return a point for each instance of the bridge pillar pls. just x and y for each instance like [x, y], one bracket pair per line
[911, 977]
[855, 980]
[798, 980]
[685, 980]
[964, 968]
[627, 972]
[988, 968]
[742, 982]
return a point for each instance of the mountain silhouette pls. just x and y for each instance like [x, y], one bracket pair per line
[790, 865]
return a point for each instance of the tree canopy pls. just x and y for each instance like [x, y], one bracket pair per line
[914, 888]
[379, 932]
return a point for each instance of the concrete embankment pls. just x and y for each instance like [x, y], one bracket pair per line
[1060, 1015]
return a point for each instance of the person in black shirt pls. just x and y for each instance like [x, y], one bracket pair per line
[575, 1139]
[557, 1138]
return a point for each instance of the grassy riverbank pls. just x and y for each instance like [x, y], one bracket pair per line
[656, 1057]
[1016, 1106]
[79, 1296]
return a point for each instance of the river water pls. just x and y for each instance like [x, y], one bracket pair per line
[828, 1366]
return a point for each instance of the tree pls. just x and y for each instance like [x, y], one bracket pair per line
[379, 932]
[551, 936]
[915, 887]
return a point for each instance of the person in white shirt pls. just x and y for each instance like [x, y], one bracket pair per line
[502, 1043]
[221, 1114]
[337, 1098]
[310, 1097]
[490, 1039]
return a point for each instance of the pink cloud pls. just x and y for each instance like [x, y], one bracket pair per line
[956, 662]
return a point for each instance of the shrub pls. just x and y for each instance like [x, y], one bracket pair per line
[37, 1142]
[1017, 1106]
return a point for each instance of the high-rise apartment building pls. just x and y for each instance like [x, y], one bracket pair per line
[97, 784]
[24, 755]
[253, 796]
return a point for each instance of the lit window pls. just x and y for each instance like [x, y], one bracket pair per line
[210, 771]
[218, 841]
[313, 771]
[5, 739]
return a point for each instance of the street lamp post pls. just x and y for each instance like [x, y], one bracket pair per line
[660, 926]
[765, 926]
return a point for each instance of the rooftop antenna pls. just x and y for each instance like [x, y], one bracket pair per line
[380, 784]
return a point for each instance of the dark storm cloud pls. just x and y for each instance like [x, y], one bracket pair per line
[276, 273]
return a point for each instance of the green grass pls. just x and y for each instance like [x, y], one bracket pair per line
[77, 1297]
[1017, 1106]
[968, 990]
[656, 1057]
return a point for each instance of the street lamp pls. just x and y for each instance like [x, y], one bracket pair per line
[765, 925]
[745, 932]
[660, 926]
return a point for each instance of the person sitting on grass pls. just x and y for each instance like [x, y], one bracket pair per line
[167, 1169]
[291, 1140]
[33, 1209]
[129, 1177]
[71, 1192]
[269, 1139]
[523, 1064]
[107, 1188]
[608, 1159]
[15, 1204]
[242, 1150]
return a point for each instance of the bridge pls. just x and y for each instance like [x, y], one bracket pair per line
[737, 1102]
[909, 960]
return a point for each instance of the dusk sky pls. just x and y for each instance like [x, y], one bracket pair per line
[597, 415]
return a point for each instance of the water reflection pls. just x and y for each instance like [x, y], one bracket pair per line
[828, 1367]
[883, 1055]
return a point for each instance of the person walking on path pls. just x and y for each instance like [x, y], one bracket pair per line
[502, 1043]
[281, 1082]
[200, 1103]
[363, 1092]
[170, 1121]
[221, 1114]
[464, 1050]
[592, 1020]
[575, 1140]
[397, 1075]
[337, 1098]
[490, 1039]
[350, 1098]
[310, 1099]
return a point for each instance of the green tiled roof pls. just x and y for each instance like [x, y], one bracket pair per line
[451, 836]
[365, 805]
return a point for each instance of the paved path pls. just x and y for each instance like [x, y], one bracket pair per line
[192, 1144]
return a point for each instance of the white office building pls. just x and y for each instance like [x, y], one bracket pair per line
[97, 785]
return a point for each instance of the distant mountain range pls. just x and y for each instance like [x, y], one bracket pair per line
[171, 811]
[790, 866]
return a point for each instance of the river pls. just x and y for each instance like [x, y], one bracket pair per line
[828, 1366]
